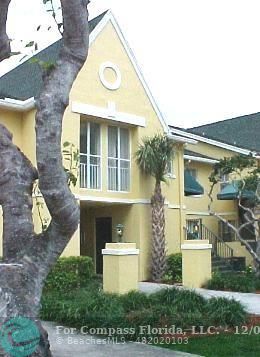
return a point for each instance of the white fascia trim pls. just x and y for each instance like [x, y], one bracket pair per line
[205, 213]
[213, 142]
[120, 251]
[196, 246]
[105, 113]
[17, 105]
[110, 17]
[200, 159]
[112, 200]
[182, 139]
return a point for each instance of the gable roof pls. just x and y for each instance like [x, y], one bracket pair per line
[242, 131]
[25, 81]
[15, 98]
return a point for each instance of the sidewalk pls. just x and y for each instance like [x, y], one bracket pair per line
[79, 345]
[251, 302]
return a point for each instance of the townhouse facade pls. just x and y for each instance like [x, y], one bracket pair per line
[111, 109]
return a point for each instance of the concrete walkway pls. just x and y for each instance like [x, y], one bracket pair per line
[65, 343]
[251, 302]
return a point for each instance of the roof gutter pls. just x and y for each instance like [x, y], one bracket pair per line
[200, 159]
[215, 143]
[181, 139]
[17, 105]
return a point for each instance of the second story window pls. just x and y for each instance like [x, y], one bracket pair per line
[224, 181]
[118, 159]
[90, 155]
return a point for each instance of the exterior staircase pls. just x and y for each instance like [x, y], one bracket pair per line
[223, 259]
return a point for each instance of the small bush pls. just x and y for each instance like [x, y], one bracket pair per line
[217, 282]
[69, 273]
[242, 282]
[225, 312]
[173, 268]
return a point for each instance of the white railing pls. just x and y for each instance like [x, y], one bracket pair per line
[90, 173]
[112, 178]
[125, 178]
[118, 179]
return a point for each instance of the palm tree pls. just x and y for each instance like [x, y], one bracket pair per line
[153, 157]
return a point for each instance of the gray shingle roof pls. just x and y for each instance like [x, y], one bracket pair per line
[243, 132]
[25, 81]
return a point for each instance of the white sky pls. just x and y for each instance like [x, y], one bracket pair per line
[200, 58]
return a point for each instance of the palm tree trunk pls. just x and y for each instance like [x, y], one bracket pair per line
[158, 237]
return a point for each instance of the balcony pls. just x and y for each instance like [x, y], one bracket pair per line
[118, 172]
[118, 175]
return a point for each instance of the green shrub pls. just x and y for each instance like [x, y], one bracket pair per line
[242, 282]
[135, 300]
[69, 273]
[217, 282]
[91, 307]
[173, 268]
[225, 312]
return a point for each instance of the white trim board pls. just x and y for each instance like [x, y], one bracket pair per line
[112, 200]
[89, 198]
[105, 113]
[200, 159]
[108, 251]
[17, 105]
[181, 139]
[205, 213]
[212, 142]
[196, 246]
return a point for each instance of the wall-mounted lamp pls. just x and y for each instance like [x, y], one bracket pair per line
[120, 231]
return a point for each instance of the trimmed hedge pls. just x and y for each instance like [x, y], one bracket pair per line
[69, 273]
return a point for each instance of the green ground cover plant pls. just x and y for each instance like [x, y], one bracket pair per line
[246, 282]
[182, 308]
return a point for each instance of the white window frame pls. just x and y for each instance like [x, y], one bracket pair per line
[89, 156]
[170, 170]
[224, 181]
[118, 160]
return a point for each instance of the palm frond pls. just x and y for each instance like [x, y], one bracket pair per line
[154, 154]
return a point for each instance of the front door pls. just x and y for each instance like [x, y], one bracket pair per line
[103, 236]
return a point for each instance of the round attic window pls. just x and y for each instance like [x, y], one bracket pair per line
[110, 75]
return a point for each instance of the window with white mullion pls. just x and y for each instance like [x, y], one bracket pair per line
[90, 155]
[119, 162]
[118, 159]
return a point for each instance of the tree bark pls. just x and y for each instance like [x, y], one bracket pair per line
[5, 49]
[158, 234]
[28, 257]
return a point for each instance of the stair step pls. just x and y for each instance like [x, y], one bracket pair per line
[225, 265]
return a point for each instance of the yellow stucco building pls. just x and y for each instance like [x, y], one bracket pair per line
[111, 109]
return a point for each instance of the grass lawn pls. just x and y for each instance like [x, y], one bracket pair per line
[221, 346]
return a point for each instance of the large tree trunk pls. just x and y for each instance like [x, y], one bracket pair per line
[28, 257]
[158, 237]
